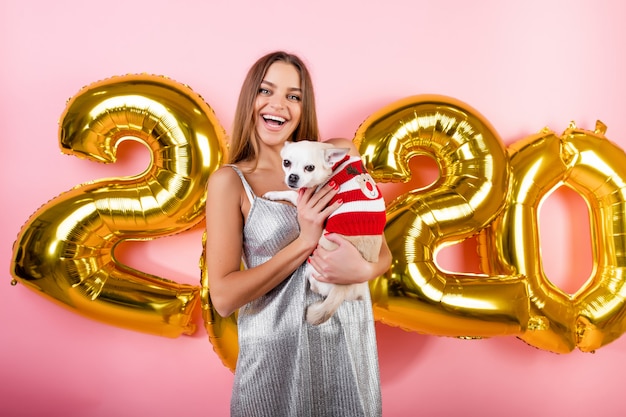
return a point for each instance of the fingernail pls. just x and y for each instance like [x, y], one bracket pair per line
[332, 184]
[340, 201]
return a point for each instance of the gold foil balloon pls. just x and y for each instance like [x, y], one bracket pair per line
[66, 249]
[222, 331]
[595, 168]
[470, 192]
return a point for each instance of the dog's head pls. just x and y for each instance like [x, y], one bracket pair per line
[308, 164]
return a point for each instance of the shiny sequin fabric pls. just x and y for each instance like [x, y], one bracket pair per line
[287, 367]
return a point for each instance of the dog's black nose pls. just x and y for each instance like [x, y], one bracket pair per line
[293, 179]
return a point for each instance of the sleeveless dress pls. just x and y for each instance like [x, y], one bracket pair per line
[287, 367]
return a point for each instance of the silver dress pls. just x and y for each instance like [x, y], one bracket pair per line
[287, 367]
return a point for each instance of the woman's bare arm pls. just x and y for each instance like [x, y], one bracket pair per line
[230, 286]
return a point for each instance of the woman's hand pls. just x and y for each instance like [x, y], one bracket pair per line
[313, 210]
[344, 264]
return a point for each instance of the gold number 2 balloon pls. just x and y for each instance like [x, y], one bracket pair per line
[66, 250]
[470, 192]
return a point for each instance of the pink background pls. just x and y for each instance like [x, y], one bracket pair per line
[524, 65]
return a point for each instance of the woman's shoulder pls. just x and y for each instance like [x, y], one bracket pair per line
[224, 177]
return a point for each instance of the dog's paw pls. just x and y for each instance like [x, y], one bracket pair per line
[290, 196]
[272, 195]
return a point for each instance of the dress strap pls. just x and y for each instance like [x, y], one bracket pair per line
[246, 186]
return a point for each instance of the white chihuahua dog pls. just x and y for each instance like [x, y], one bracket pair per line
[360, 219]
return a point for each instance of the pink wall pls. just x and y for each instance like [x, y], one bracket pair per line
[524, 65]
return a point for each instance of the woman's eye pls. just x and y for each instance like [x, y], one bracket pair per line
[294, 97]
[264, 91]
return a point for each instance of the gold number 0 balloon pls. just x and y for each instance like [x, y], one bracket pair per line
[596, 169]
[470, 192]
[66, 249]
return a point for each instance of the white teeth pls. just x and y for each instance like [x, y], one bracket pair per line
[274, 118]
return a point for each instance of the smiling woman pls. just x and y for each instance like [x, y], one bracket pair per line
[284, 366]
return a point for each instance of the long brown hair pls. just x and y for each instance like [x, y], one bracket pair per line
[243, 141]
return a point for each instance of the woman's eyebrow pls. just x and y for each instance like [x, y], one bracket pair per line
[271, 84]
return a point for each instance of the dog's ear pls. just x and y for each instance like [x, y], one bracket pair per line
[334, 155]
[284, 149]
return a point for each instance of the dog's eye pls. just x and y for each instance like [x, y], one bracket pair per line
[309, 168]
[286, 163]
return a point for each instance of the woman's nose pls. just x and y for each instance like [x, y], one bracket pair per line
[277, 102]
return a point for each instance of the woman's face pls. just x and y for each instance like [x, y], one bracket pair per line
[278, 105]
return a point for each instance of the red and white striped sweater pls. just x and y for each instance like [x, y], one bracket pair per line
[363, 208]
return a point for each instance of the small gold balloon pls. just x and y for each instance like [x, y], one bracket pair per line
[222, 331]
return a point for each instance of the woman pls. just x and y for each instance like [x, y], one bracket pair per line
[286, 367]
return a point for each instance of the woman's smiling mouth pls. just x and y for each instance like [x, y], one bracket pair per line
[273, 120]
